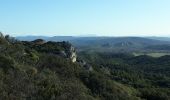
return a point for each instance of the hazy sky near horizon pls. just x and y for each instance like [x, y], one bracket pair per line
[81, 17]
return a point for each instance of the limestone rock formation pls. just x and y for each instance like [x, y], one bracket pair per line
[72, 54]
[86, 66]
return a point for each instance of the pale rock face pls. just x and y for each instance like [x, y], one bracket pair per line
[73, 55]
[74, 59]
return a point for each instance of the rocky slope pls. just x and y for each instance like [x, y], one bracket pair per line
[40, 70]
[63, 49]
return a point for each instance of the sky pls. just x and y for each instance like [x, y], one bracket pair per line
[85, 17]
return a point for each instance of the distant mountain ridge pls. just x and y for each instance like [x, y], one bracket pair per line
[160, 38]
[106, 43]
[91, 38]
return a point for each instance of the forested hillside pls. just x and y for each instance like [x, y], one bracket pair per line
[40, 70]
[149, 76]
[110, 44]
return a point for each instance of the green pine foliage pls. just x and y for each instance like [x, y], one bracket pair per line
[149, 76]
[31, 71]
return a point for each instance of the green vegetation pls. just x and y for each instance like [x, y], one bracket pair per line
[154, 54]
[38, 70]
[149, 76]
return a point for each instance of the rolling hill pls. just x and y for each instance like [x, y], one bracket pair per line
[112, 44]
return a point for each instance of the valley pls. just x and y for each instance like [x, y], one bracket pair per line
[89, 69]
[84, 50]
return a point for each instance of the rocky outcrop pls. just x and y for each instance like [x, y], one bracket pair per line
[63, 49]
[86, 66]
[73, 57]
[72, 54]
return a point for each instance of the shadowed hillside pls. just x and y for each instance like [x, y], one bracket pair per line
[40, 70]
[48, 70]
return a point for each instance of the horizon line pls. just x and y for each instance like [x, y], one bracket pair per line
[84, 36]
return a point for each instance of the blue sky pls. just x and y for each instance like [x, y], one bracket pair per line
[81, 17]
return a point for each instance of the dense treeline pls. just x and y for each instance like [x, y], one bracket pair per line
[149, 76]
[35, 71]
